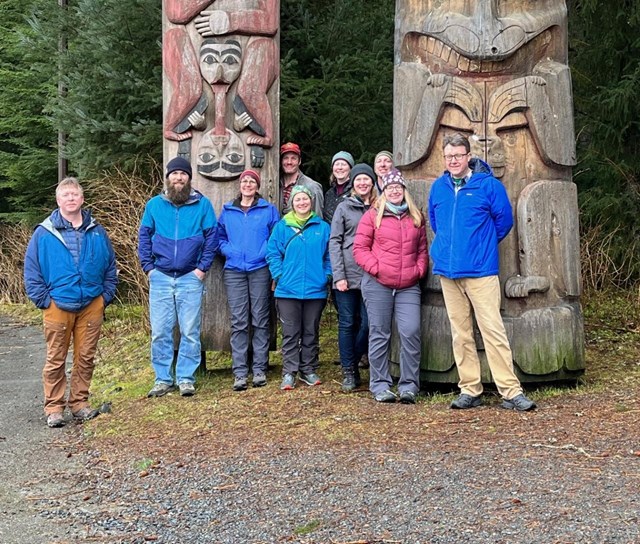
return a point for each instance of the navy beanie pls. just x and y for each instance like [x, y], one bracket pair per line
[179, 163]
[363, 168]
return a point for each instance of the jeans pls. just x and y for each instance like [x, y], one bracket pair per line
[353, 326]
[174, 300]
[248, 296]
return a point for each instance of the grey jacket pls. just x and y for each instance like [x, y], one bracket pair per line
[313, 186]
[343, 232]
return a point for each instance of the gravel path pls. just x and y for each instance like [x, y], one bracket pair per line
[446, 477]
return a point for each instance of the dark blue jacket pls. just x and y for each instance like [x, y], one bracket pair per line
[177, 239]
[299, 258]
[50, 271]
[468, 224]
[243, 236]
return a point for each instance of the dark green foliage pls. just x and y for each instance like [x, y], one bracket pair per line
[27, 137]
[337, 79]
[605, 61]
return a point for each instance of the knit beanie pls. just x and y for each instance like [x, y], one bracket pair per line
[345, 156]
[251, 174]
[179, 163]
[394, 177]
[384, 154]
[300, 189]
[362, 168]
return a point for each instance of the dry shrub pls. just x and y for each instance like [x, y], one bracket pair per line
[117, 201]
[13, 244]
[610, 259]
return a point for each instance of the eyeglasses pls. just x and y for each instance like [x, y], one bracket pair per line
[395, 188]
[457, 157]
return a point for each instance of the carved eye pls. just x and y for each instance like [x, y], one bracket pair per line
[209, 59]
[230, 59]
[206, 157]
[234, 157]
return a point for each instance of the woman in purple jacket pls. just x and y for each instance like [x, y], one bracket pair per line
[244, 229]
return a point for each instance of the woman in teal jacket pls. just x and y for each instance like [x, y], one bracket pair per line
[298, 257]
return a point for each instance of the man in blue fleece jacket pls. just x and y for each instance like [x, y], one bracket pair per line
[176, 247]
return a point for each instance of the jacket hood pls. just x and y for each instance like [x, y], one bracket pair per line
[56, 221]
[194, 197]
[478, 166]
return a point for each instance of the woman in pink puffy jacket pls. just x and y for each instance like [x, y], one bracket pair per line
[391, 247]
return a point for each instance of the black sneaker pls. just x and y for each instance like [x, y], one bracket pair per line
[408, 397]
[520, 403]
[464, 402]
[161, 389]
[386, 396]
[85, 414]
[348, 380]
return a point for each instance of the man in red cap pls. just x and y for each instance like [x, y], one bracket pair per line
[291, 175]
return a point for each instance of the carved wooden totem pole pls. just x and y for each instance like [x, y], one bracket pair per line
[220, 94]
[496, 70]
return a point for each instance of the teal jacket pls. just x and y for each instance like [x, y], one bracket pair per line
[299, 258]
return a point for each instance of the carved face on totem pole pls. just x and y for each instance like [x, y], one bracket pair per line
[220, 61]
[220, 157]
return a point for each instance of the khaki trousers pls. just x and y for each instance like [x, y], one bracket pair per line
[59, 327]
[483, 294]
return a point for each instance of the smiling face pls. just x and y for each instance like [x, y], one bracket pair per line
[69, 199]
[301, 204]
[394, 193]
[362, 185]
[290, 163]
[456, 160]
[248, 187]
[178, 187]
[341, 171]
[382, 166]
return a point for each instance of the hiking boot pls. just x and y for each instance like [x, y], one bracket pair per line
[259, 380]
[240, 383]
[56, 419]
[364, 362]
[348, 380]
[310, 379]
[161, 389]
[288, 382]
[408, 397]
[85, 414]
[186, 389]
[520, 403]
[464, 402]
[386, 396]
[356, 376]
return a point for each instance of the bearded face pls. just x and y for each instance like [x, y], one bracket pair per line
[178, 187]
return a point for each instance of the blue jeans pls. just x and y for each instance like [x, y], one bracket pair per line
[353, 326]
[248, 296]
[174, 300]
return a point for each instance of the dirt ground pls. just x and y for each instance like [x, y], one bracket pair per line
[309, 467]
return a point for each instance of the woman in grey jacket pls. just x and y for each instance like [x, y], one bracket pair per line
[353, 324]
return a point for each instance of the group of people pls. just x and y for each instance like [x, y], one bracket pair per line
[363, 244]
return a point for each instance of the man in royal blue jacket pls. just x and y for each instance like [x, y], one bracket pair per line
[70, 274]
[470, 213]
[176, 247]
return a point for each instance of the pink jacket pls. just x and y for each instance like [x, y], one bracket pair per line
[396, 253]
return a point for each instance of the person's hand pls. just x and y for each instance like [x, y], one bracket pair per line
[342, 285]
[199, 274]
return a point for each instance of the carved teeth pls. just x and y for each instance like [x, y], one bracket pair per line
[438, 49]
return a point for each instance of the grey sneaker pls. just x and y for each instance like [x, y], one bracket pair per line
[259, 380]
[408, 397]
[386, 396]
[186, 389]
[310, 379]
[520, 403]
[464, 402]
[85, 414]
[161, 389]
[288, 382]
[240, 383]
[56, 419]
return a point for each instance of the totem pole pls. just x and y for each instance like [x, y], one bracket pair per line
[497, 71]
[220, 95]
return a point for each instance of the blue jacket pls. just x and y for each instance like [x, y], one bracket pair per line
[243, 236]
[177, 239]
[50, 271]
[468, 224]
[299, 258]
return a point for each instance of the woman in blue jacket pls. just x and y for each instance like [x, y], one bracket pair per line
[244, 228]
[298, 257]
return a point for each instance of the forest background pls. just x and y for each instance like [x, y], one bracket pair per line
[336, 93]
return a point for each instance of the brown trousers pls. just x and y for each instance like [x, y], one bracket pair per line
[59, 327]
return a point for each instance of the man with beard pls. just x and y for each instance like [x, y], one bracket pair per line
[291, 175]
[176, 246]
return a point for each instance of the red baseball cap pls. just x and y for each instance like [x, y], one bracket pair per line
[290, 147]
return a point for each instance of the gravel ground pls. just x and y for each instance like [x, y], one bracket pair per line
[561, 475]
